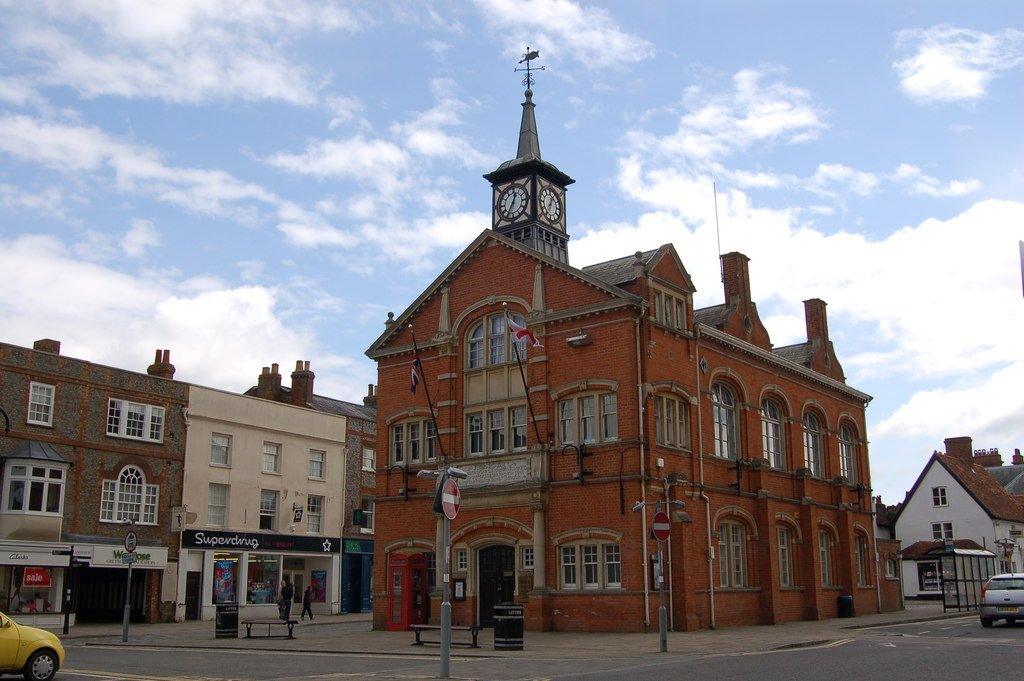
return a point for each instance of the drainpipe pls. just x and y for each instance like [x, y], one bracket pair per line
[703, 494]
[643, 468]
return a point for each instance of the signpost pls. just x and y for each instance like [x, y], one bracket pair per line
[661, 526]
[131, 542]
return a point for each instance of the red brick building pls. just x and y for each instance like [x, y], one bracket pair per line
[764, 446]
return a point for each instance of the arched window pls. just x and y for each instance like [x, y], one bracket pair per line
[490, 344]
[847, 453]
[771, 433]
[825, 549]
[723, 405]
[732, 554]
[860, 545]
[785, 536]
[129, 498]
[813, 445]
[476, 346]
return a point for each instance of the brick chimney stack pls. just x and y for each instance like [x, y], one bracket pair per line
[47, 345]
[371, 397]
[960, 447]
[736, 278]
[1017, 458]
[302, 384]
[816, 320]
[988, 458]
[268, 386]
[161, 365]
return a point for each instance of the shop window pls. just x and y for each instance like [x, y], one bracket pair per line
[317, 464]
[314, 514]
[40, 404]
[813, 445]
[588, 419]
[771, 434]
[847, 453]
[220, 449]
[271, 457]
[264, 579]
[671, 422]
[416, 440]
[268, 509]
[592, 565]
[732, 557]
[33, 489]
[217, 506]
[785, 557]
[129, 498]
[135, 421]
[29, 590]
[723, 410]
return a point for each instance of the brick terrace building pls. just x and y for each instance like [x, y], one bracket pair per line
[765, 446]
[89, 447]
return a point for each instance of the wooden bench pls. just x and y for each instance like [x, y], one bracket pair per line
[271, 623]
[418, 629]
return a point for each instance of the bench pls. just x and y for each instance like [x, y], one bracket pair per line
[271, 623]
[418, 629]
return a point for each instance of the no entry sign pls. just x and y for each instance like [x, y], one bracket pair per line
[661, 526]
[451, 498]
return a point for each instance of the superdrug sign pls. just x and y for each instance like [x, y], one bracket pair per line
[251, 541]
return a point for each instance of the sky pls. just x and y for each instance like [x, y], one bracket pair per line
[258, 181]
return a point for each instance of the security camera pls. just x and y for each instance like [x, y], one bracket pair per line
[457, 473]
[638, 506]
[424, 473]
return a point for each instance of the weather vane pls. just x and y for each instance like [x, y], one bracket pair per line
[529, 56]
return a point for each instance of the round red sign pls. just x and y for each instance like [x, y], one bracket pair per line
[661, 526]
[451, 498]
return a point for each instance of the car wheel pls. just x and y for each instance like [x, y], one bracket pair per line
[986, 622]
[41, 666]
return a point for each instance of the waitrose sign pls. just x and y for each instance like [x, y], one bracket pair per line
[154, 557]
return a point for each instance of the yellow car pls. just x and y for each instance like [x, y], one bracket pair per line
[35, 653]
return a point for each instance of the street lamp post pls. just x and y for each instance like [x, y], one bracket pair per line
[659, 574]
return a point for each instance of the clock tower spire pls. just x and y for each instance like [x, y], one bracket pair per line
[528, 193]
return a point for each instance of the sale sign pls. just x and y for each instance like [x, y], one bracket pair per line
[37, 577]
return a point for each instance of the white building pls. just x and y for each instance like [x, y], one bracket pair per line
[265, 482]
[956, 499]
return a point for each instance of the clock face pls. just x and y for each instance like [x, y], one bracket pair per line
[550, 205]
[512, 202]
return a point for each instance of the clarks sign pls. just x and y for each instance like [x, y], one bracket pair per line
[251, 541]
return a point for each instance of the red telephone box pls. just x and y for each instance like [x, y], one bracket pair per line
[408, 591]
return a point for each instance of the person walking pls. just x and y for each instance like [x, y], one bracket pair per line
[287, 594]
[307, 603]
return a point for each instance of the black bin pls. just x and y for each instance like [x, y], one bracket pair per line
[845, 606]
[227, 620]
[508, 627]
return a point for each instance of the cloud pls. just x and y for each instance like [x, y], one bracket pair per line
[141, 236]
[188, 51]
[369, 161]
[919, 183]
[562, 30]
[49, 200]
[946, 64]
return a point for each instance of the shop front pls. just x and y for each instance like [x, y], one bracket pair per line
[100, 588]
[248, 568]
[357, 576]
[32, 578]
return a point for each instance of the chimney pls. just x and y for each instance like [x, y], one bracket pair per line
[268, 385]
[1017, 458]
[47, 345]
[736, 277]
[816, 320]
[959, 447]
[988, 458]
[161, 365]
[302, 384]
[371, 398]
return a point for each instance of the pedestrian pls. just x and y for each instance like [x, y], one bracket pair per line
[307, 603]
[287, 594]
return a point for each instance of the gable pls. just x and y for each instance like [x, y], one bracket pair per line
[668, 267]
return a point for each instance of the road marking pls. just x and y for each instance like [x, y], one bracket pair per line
[95, 673]
[216, 650]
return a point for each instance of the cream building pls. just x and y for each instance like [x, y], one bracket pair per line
[263, 498]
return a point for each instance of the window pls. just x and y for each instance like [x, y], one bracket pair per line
[771, 434]
[40, 404]
[527, 553]
[723, 409]
[34, 489]
[398, 443]
[672, 422]
[314, 514]
[264, 574]
[415, 438]
[220, 449]
[812, 445]
[890, 568]
[569, 580]
[317, 464]
[496, 430]
[579, 418]
[496, 340]
[462, 560]
[595, 566]
[135, 421]
[591, 579]
[942, 530]
[476, 433]
[369, 459]
[612, 565]
[504, 425]
[271, 457]
[669, 310]
[217, 505]
[732, 539]
[785, 557]
[414, 444]
[268, 509]
[939, 496]
[492, 334]
[517, 417]
[366, 504]
[861, 558]
[476, 346]
[825, 556]
[129, 498]
[847, 453]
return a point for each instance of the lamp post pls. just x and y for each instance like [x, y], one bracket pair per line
[659, 574]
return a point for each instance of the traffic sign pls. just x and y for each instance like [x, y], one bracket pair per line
[128, 558]
[131, 541]
[661, 526]
[451, 498]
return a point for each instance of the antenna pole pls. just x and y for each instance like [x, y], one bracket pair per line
[718, 234]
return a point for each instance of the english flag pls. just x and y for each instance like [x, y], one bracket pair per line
[523, 333]
[417, 374]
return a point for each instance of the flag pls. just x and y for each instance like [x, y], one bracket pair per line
[523, 333]
[417, 374]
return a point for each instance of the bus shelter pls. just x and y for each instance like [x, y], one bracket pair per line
[963, 572]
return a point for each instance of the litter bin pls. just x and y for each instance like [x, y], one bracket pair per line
[227, 620]
[846, 606]
[508, 626]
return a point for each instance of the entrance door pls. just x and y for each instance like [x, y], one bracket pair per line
[497, 580]
[193, 594]
[354, 586]
[101, 595]
[298, 581]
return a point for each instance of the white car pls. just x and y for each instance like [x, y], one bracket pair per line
[1002, 598]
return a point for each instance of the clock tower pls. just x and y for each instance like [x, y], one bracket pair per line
[528, 193]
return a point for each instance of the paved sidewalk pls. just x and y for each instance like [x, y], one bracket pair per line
[351, 634]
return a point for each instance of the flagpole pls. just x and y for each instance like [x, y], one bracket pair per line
[426, 390]
[522, 375]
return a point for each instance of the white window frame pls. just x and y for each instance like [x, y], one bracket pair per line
[214, 447]
[825, 557]
[732, 555]
[568, 567]
[785, 540]
[606, 562]
[316, 513]
[891, 567]
[847, 453]
[276, 469]
[35, 389]
[814, 444]
[152, 418]
[672, 422]
[475, 430]
[489, 343]
[943, 530]
[773, 441]
[27, 479]
[461, 560]
[369, 459]
[210, 506]
[725, 420]
[860, 556]
[322, 463]
[526, 557]
[939, 496]
[266, 511]
[413, 442]
[669, 310]
[116, 499]
[366, 504]
[579, 556]
[573, 419]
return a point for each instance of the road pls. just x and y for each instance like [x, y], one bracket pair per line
[957, 648]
